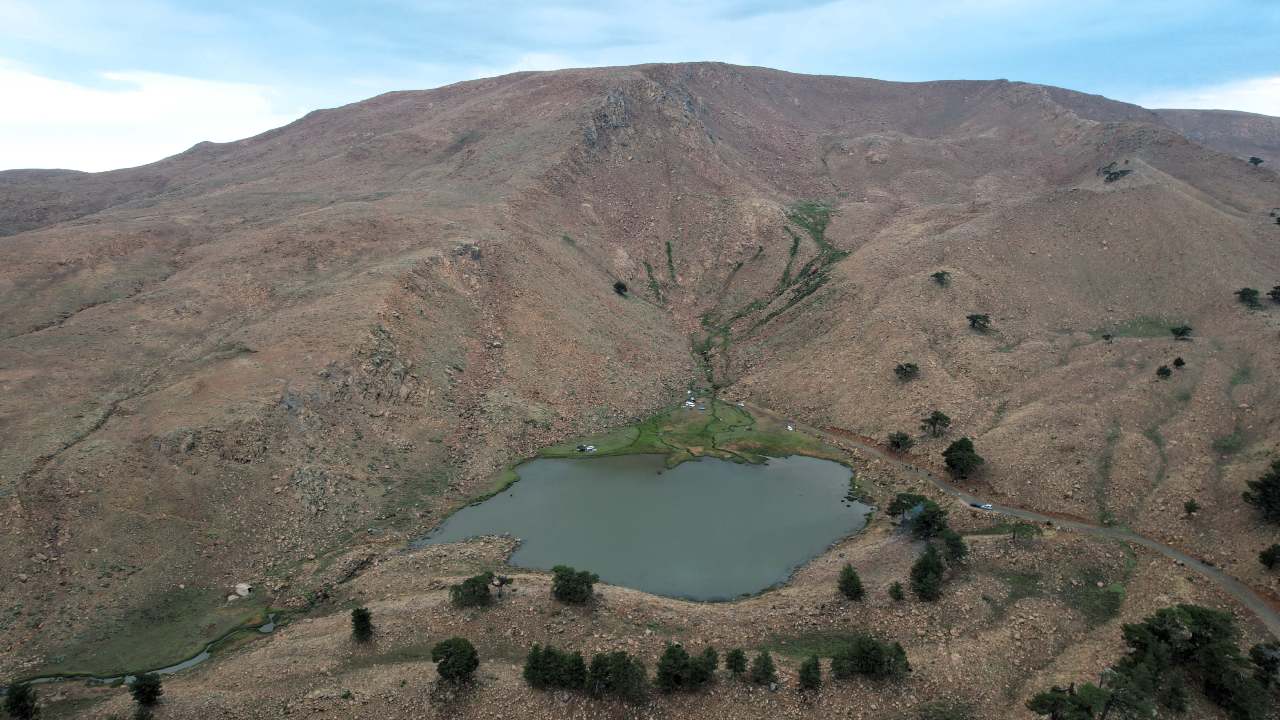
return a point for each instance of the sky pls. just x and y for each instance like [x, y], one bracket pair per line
[95, 85]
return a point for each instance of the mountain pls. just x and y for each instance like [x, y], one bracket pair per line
[275, 360]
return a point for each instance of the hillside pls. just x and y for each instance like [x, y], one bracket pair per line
[276, 360]
[1237, 133]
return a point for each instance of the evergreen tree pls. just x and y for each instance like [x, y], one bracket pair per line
[1274, 293]
[763, 671]
[811, 674]
[361, 624]
[572, 586]
[1248, 296]
[1264, 493]
[953, 546]
[472, 592]
[926, 575]
[942, 278]
[904, 503]
[961, 459]
[673, 669]
[1255, 161]
[895, 591]
[936, 424]
[865, 655]
[1069, 704]
[900, 441]
[20, 702]
[906, 371]
[1163, 372]
[1181, 332]
[550, 668]
[1270, 557]
[929, 521]
[456, 660]
[850, 584]
[1178, 362]
[1266, 662]
[979, 322]
[702, 669]
[146, 690]
[736, 662]
[617, 674]
[1191, 507]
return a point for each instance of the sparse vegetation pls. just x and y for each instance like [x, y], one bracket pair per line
[361, 624]
[936, 423]
[763, 671]
[472, 592]
[572, 586]
[1191, 507]
[942, 278]
[907, 371]
[1110, 173]
[979, 321]
[850, 584]
[1248, 297]
[900, 441]
[20, 702]
[961, 458]
[867, 656]
[456, 660]
[810, 674]
[895, 592]
[1264, 493]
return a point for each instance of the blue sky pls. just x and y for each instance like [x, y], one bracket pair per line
[94, 85]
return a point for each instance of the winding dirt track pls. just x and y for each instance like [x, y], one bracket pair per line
[1261, 607]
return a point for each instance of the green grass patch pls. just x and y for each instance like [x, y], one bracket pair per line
[369, 656]
[1243, 375]
[654, 287]
[1021, 585]
[820, 643]
[1009, 528]
[1094, 596]
[1144, 326]
[1229, 444]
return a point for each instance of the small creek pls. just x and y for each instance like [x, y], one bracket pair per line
[707, 529]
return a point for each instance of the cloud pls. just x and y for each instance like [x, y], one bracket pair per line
[1256, 95]
[126, 119]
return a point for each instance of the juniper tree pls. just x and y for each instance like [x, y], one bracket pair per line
[20, 702]
[361, 624]
[472, 592]
[617, 674]
[936, 424]
[1181, 332]
[1163, 372]
[942, 278]
[979, 321]
[1248, 296]
[900, 441]
[929, 521]
[961, 459]
[1178, 362]
[895, 591]
[850, 584]
[953, 546]
[763, 671]
[702, 669]
[146, 690]
[456, 660]
[1264, 493]
[1191, 507]
[736, 662]
[1270, 557]
[620, 288]
[811, 674]
[672, 672]
[1274, 293]
[906, 371]
[1255, 161]
[865, 655]
[572, 586]
[926, 575]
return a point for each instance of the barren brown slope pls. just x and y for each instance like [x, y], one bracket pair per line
[1241, 134]
[327, 336]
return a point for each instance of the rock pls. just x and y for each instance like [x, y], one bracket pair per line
[243, 589]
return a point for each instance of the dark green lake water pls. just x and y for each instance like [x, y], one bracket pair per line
[707, 529]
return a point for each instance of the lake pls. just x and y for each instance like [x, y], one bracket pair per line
[708, 529]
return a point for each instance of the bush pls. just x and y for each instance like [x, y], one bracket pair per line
[1264, 493]
[906, 371]
[146, 690]
[1248, 296]
[702, 669]
[926, 575]
[1274, 293]
[1181, 332]
[1270, 557]
[572, 586]
[456, 660]
[936, 424]
[942, 278]
[1163, 372]
[736, 662]
[472, 592]
[979, 322]
[1255, 161]
[20, 702]
[961, 459]
[361, 624]
[929, 522]
[620, 288]
[811, 674]
[904, 503]
[1266, 661]
[850, 584]
[1191, 507]
[895, 591]
[677, 671]
[763, 671]
[900, 441]
[550, 668]
[865, 655]
[618, 675]
[953, 546]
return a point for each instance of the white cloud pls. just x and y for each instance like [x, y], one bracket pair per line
[131, 119]
[1256, 95]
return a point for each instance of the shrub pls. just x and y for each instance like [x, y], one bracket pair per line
[1270, 557]
[620, 288]
[895, 591]
[865, 655]
[900, 441]
[617, 674]
[472, 592]
[673, 669]
[1191, 507]
[572, 586]
[1178, 362]
[904, 503]
[550, 668]
[1181, 332]
[953, 546]
[361, 624]
[456, 660]
[20, 702]
[146, 690]
[1163, 372]
[1255, 161]
[763, 671]
[1266, 661]
[811, 674]
[942, 278]
[936, 424]
[980, 322]
[850, 584]
[926, 575]
[929, 521]
[907, 371]
[1264, 493]
[1274, 293]
[702, 669]
[736, 662]
[1248, 296]
[961, 459]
